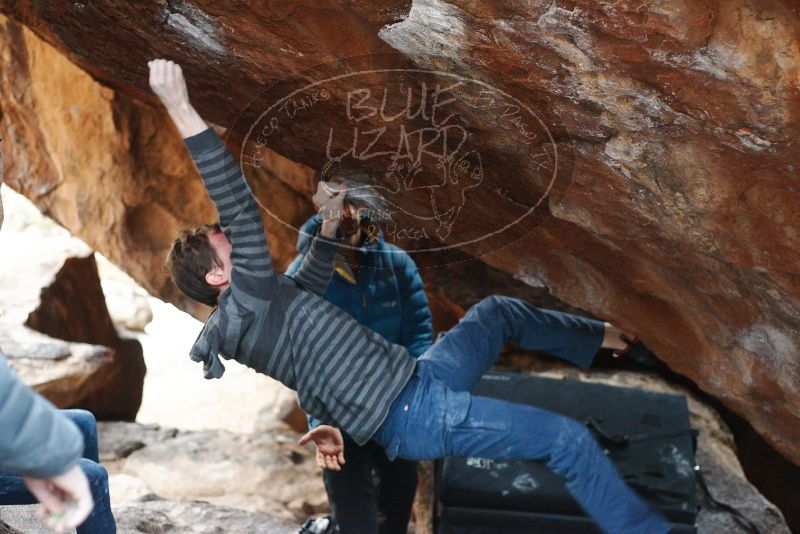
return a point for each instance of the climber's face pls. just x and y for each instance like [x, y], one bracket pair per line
[220, 275]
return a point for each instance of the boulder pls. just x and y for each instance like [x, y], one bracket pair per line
[131, 186]
[126, 301]
[127, 489]
[118, 439]
[159, 476]
[19, 519]
[674, 125]
[63, 372]
[161, 517]
[283, 411]
[55, 325]
[263, 472]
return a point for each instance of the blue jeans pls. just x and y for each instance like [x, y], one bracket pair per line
[436, 416]
[101, 520]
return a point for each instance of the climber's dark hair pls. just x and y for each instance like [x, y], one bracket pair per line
[188, 261]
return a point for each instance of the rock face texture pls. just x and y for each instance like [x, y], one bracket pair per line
[161, 516]
[5, 528]
[263, 472]
[155, 517]
[645, 154]
[54, 324]
[111, 170]
[165, 480]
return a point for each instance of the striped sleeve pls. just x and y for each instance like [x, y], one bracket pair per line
[252, 281]
[316, 269]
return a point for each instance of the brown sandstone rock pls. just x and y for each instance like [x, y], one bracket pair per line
[130, 183]
[55, 327]
[677, 121]
[65, 373]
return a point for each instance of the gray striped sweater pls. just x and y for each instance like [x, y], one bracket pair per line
[345, 374]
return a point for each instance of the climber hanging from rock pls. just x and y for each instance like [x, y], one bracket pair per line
[349, 377]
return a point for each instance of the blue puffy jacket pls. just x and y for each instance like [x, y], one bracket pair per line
[387, 294]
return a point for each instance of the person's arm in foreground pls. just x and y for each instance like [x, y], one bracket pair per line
[252, 281]
[43, 446]
[316, 267]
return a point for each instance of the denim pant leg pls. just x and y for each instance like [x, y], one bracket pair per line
[501, 430]
[464, 354]
[101, 520]
[429, 420]
[87, 424]
[13, 491]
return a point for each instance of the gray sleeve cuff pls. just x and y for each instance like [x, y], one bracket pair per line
[323, 248]
[203, 142]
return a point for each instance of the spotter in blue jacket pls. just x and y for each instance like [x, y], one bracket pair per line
[386, 295]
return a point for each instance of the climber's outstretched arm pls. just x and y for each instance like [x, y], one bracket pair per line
[168, 83]
[253, 282]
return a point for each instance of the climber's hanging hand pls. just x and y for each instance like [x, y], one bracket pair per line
[168, 83]
[330, 446]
